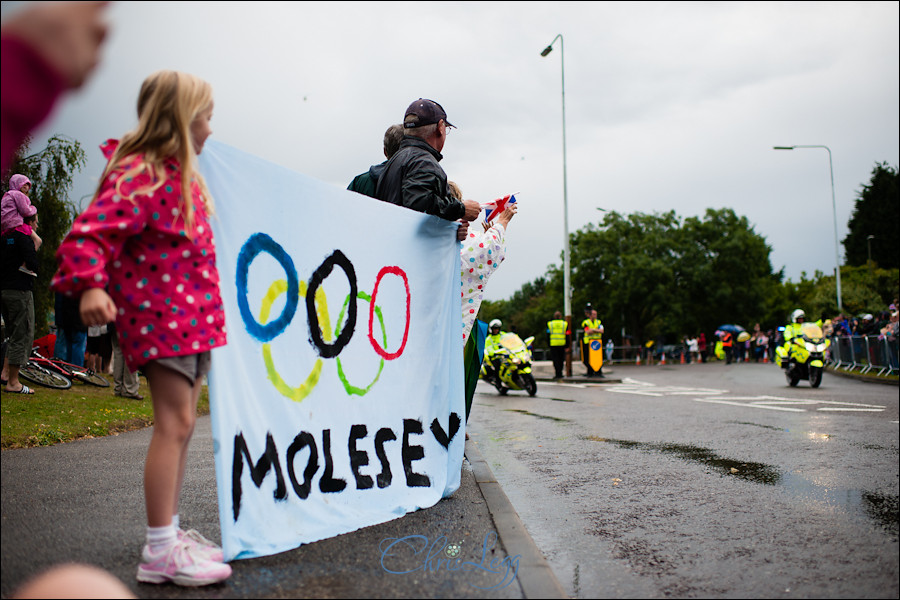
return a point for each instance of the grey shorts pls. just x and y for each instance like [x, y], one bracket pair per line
[18, 319]
[192, 366]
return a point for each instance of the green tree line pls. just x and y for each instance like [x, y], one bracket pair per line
[661, 276]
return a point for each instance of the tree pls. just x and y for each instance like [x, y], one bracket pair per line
[660, 278]
[864, 289]
[51, 172]
[728, 271]
[527, 311]
[876, 214]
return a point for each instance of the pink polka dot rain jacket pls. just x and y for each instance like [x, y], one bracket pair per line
[164, 282]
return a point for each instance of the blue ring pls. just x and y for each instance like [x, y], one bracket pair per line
[256, 243]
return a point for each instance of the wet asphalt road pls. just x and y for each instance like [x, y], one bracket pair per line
[707, 481]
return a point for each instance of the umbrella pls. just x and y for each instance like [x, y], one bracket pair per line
[739, 332]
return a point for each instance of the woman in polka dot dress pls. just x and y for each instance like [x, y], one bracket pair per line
[480, 253]
[142, 255]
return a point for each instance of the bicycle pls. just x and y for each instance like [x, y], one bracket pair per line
[35, 373]
[67, 370]
[40, 375]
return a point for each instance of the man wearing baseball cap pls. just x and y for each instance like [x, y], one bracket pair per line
[413, 178]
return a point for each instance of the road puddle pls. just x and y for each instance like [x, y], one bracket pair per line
[750, 471]
[531, 414]
[880, 508]
[758, 425]
[884, 509]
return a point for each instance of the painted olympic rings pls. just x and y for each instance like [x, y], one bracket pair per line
[320, 331]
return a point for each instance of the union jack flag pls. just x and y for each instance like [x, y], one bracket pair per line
[492, 209]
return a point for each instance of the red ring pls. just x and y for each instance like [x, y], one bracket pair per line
[381, 351]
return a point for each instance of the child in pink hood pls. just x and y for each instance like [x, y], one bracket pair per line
[15, 207]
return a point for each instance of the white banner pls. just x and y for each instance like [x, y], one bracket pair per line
[338, 402]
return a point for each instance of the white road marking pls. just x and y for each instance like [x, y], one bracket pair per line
[772, 402]
[718, 396]
[567, 384]
[751, 405]
[642, 388]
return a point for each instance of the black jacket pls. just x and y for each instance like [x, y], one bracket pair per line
[18, 249]
[414, 179]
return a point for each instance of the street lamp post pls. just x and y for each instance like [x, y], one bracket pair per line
[837, 254]
[567, 299]
[869, 242]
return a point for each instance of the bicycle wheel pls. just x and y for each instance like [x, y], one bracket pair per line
[41, 376]
[90, 377]
[71, 371]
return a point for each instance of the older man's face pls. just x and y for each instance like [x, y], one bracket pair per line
[442, 126]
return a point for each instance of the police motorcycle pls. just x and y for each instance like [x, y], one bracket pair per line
[803, 356]
[508, 367]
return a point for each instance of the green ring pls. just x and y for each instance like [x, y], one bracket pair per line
[351, 389]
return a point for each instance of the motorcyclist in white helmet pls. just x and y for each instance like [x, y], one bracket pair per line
[491, 343]
[792, 329]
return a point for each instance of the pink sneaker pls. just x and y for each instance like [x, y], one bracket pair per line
[181, 565]
[202, 546]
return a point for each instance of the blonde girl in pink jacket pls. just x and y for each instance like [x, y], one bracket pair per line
[142, 255]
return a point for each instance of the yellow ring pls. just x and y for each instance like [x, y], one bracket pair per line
[297, 394]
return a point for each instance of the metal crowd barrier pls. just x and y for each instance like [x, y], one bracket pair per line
[634, 354]
[864, 354]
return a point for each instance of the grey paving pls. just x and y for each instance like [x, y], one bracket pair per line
[83, 502]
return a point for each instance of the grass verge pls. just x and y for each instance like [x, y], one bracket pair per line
[870, 377]
[83, 411]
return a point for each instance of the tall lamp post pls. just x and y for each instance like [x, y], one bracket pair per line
[837, 254]
[567, 300]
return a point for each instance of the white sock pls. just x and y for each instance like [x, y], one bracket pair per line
[176, 522]
[161, 538]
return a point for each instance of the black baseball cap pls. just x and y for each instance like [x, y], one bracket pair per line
[424, 112]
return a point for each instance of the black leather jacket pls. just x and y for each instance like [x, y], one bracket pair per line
[18, 248]
[414, 179]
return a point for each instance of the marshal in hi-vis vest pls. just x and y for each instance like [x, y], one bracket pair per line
[557, 329]
[591, 324]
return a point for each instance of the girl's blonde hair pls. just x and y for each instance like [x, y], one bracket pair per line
[454, 190]
[168, 103]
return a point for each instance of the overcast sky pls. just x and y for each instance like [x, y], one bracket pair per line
[669, 106]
